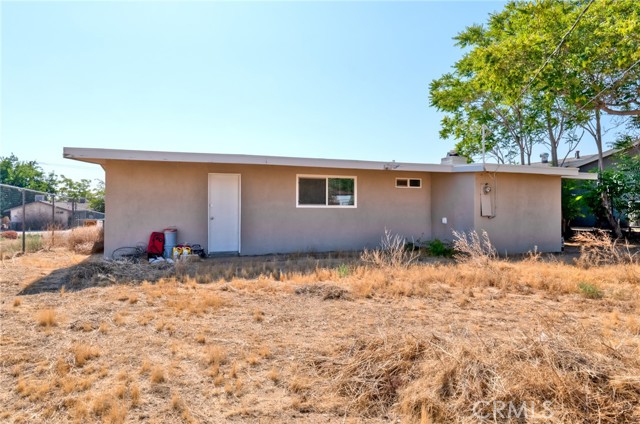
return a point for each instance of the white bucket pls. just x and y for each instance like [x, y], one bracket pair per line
[170, 237]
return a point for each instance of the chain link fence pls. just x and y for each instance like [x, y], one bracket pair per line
[29, 214]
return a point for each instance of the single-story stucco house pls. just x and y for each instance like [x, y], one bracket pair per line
[40, 214]
[254, 205]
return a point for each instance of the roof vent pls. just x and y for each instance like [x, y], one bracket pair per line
[577, 154]
[544, 157]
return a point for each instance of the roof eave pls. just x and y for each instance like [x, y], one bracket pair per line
[100, 156]
[517, 169]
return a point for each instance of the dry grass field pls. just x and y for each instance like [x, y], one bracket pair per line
[319, 340]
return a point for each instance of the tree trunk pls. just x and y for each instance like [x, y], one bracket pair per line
[553, 143]
[606, 202]
[521, 147]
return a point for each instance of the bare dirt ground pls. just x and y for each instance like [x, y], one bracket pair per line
[330, 341]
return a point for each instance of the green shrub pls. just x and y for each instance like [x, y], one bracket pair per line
[33, 243]
[438, 248]
[590, 291]
[343, 270]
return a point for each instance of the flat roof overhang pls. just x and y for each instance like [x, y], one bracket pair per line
[101, 156]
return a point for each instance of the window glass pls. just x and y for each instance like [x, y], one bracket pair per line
[341, 191]
[326, 191]
[408, 183]
[312, 191]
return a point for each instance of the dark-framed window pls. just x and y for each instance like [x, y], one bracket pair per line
[408, 182]
[317, 191]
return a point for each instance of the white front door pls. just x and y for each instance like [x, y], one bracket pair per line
[224, 213]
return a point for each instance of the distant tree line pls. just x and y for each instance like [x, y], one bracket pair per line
[28, 174]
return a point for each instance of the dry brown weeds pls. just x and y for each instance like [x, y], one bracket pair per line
[419, 343]
[566, 373]
[598, 248]
[86, 240]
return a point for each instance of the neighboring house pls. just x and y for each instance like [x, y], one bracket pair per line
[589, 163]
[40, 214]
[254, 205]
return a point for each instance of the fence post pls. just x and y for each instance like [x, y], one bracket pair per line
[24, 222]
[53, 220]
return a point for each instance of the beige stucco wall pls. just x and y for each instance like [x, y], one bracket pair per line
[527, 209]
[528, 212]
[142, 197]
[452, 197]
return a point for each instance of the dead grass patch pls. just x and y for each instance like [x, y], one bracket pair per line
[83, 353]
[108, 407]
[369, 372]
[324, 291]
[258, 315]
[86, 240]
[216, 355]
[145, 367]
[274, 375]
[46, 318]
[157, 375]
[571, 376]
[598, 248]
[513, 331]
[391, 253]
[102, 272]
[135, 395]
[252, 359]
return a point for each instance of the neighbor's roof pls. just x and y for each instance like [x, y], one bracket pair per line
[67, 206]
[582, 160]
[587, 159]
[101, 156]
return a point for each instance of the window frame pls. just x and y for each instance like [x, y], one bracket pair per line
[408, 180]
[326, 178]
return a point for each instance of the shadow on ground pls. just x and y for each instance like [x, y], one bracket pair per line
[96, 272]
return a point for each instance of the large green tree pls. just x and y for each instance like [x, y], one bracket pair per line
[82, 190]
[27, 174]
[487, 86]
[537, 71]
[553, 63]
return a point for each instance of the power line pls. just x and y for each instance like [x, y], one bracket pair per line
[557, 49]
[64, 165]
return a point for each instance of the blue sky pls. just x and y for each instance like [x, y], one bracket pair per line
[314, 79]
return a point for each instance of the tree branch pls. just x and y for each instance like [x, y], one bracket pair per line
[632, 112]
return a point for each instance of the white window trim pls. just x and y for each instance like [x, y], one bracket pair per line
[326, 177]
[408, 182]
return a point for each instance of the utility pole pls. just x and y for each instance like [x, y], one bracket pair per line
[24, 222]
